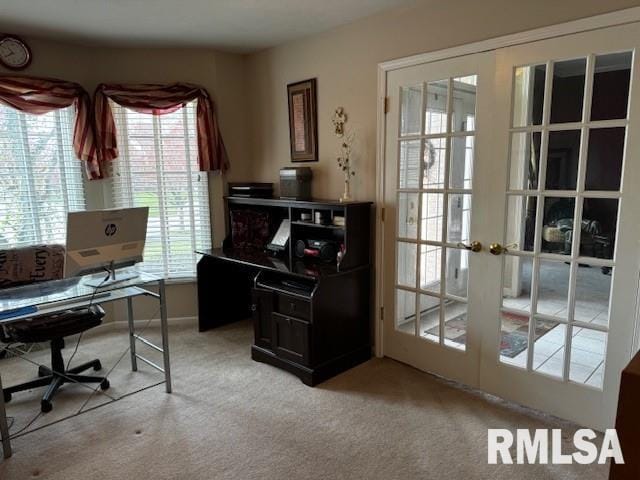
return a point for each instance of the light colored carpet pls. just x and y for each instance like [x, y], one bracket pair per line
[232, 418]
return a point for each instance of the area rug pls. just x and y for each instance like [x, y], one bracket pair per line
[455, 329]
[515, 330]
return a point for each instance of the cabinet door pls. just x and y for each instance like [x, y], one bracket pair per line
[261, 309]
[290, 338]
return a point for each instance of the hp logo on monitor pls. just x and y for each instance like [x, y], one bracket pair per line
[110, 230]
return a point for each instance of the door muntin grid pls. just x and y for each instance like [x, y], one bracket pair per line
[553, 243]
[434, 198]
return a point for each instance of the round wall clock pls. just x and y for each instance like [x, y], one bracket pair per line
[14, 53]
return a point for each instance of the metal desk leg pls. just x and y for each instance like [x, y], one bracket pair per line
[165, 335]
[132, 338]
[4, 427]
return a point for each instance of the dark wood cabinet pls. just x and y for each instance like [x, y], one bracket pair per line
[262, 309]
[311, 317]
[290, 305]
[290, 338]
[628, 423]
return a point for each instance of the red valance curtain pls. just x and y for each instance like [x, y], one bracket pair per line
[42, 95]
[157, 99]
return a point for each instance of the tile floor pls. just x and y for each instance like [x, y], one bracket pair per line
[586, 365]
[588, 347]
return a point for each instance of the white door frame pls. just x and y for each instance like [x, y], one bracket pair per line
[617, 18]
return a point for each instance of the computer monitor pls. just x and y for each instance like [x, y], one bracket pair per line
[102, 240]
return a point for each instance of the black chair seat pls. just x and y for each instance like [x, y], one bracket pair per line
[65, 324]
[53, 329]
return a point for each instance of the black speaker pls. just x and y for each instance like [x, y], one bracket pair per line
[300, 247]
[325, 250]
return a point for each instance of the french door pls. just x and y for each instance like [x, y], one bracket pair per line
[511, 235]
[435, 135]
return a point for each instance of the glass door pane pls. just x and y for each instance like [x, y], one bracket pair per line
[434, 209]
[562, 203]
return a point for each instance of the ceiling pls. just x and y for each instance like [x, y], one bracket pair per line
[234, 25]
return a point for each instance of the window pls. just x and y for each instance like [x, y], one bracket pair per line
[158, 168]
[40, 177]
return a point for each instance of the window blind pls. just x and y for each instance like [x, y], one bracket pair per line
[157, 167]
[40, 177]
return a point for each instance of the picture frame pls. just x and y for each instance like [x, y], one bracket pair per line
[303, 120]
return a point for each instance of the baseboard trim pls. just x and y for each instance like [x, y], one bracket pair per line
[142, 322]
[117, 325]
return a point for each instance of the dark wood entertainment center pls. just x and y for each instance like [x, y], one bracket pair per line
[311, 318]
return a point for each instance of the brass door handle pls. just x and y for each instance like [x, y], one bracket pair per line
[474, 246]
[497, 249]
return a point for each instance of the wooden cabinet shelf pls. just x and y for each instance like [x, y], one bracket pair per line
[318, 225]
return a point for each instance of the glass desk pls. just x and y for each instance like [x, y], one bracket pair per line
[19, 304]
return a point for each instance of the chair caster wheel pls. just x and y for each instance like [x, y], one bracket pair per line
[97, 366]
[7, 397]
[45, 406]
[43, 371]
[104, 385]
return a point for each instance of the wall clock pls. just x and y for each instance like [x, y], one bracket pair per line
[14, 53]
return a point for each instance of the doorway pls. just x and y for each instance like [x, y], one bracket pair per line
[511, 254]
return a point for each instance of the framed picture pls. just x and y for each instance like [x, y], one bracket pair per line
[303, 121]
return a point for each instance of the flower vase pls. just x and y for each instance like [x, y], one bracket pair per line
[346, 196]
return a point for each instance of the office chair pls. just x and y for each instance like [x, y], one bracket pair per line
[51, 328]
